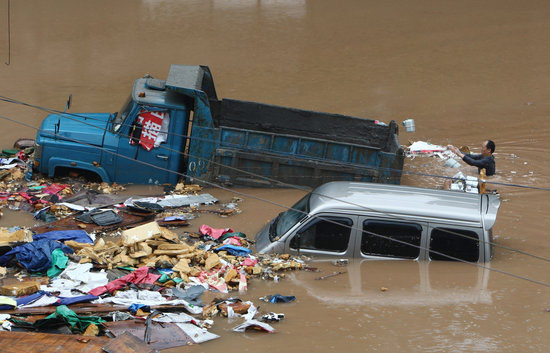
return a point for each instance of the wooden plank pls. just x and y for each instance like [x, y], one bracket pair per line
[164, 335]
[127, 343]
[70, 223]
[18, 342]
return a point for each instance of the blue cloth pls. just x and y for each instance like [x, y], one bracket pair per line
[74, 300]
[31, 298]
[190, 295]
[234, 250]
[277, 298]
[135, 307]
[35, 256]
[63, 235]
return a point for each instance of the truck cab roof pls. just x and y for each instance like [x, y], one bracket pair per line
[183, 82]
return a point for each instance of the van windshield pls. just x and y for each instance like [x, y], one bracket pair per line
[286, 220]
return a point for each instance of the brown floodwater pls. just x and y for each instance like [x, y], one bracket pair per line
[466, 71]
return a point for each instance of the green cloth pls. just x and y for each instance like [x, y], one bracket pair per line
[59, 263]
[9, 152]
[163, 278]
[64, 315]
[229, 235]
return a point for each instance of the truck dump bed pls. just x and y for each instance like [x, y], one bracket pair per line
[301, 147]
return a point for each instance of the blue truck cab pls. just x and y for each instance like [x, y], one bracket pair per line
[173, 128]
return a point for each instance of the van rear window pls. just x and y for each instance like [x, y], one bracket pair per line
[458, 243]
[373, 244]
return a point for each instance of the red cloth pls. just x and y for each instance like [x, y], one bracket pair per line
[141, 275]
[151, 123]
[21, 155]
[54, 189]
[214, 232]
[32, 199]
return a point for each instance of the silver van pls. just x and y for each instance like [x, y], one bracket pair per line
[376, 221]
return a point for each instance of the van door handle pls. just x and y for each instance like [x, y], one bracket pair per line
[162, 156]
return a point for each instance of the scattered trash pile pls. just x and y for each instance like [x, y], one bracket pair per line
[111, 272]
[104, 272]
[144, 285]
[50, 201]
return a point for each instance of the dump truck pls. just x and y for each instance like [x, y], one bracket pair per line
[174, 128]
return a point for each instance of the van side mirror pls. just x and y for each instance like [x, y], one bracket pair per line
[295, 242]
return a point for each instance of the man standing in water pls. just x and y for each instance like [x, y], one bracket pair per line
[483, 160]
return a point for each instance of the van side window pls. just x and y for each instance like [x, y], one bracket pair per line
[459, 243]
[327, 234]
[410, 233]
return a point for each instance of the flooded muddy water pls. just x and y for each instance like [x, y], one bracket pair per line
[466, 71]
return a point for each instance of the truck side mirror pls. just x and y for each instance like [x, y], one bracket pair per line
[68, 105]
[135, 132]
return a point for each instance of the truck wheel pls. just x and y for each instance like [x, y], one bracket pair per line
[75, 173]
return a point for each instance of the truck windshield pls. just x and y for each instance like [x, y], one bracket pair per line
[286, 220]
[121, 115]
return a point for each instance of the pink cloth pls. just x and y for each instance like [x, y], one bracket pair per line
[141, 275]
[213, 232]
[213, 280]
[249, 262]
[232, 241]
[243, 287]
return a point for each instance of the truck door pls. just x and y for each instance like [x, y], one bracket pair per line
[143, 148]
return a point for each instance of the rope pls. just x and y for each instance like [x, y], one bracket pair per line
[9, 34]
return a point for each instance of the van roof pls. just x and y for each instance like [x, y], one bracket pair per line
[397, 200]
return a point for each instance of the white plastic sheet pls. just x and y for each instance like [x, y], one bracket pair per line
[253, 323]
[78, 277]
[176, 200]
[146, 297]
[198, 334]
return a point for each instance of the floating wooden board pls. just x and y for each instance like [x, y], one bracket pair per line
[18, 342]
[70, 223]
[127, 343]
[163, 334]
